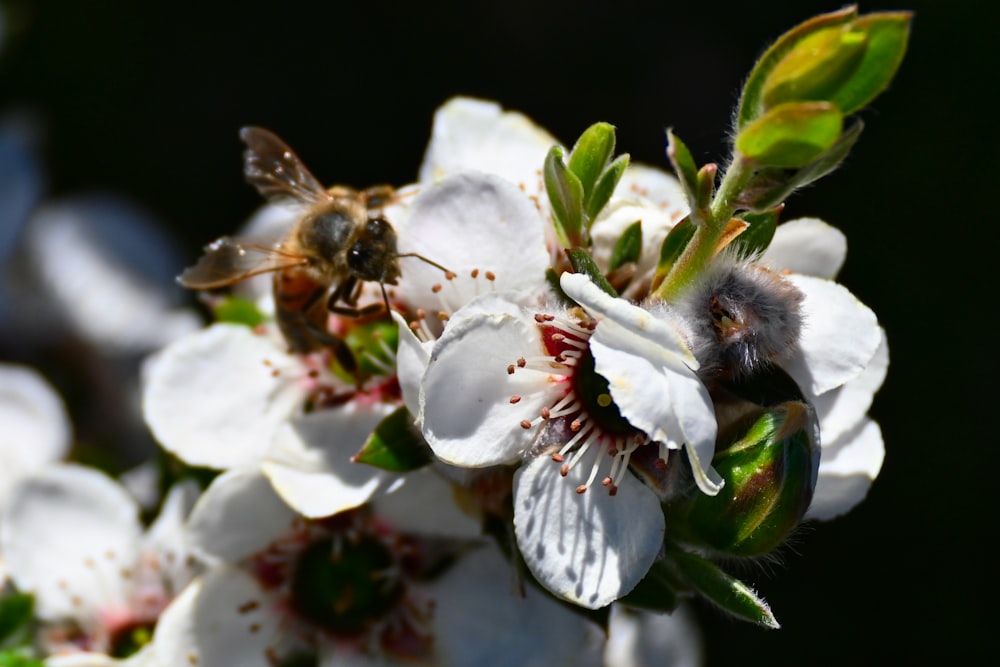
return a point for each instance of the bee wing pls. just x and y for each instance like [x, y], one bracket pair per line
[275, 170]
[229, 260]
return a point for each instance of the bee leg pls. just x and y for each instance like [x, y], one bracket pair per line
[347, 293]
[316, 325]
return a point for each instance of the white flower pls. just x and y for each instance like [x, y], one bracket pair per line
[842, 361]
[229, 397]
[646, 639]
[72, 538]
[258, 603]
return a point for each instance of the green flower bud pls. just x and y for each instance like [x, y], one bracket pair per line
[770, 475]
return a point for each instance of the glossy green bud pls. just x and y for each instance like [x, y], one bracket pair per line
[770, 473]
[819, 65]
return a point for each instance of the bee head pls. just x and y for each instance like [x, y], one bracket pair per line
[373, 256]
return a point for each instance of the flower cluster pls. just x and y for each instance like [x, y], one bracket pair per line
[516, 412]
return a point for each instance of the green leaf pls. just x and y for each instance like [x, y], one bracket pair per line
[395, 445]
[755, 239]
[791, 135]
[18, 659]
[628, 246]
[658, 590]
[751, 104]
[16, 615]
[887, 34]
[239, 311]
[591, 154]
[566, 196]
[770, 187]
[725, 591]
[684, 166]
[582, 262]
[817, 67]
[672, 247]
[606, 185]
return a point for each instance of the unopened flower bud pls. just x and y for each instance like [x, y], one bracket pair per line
[770, 475]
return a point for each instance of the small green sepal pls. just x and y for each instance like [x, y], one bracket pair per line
[16, 616]
[582, 262]
[704, 190]
[725, 591]
[566, 196]
[628, 247]
[395, 445]
[791, 135]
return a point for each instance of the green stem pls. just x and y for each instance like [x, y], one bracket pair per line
[711, 223]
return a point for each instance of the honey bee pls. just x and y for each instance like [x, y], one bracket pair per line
[340, 241]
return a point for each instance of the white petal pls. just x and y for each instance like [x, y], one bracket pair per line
[426, 505]
[67, 535]
[656, 186]
[480, 618]
[122, 292]
[846, 470]
[658, 395]
[645, 639]
[310, 463]
[471, 222]
[145, 657]
[479, 135]
[808, 246]
[36, 428]
[638, 321]
[649, 370]
[238, 515]
[590, 548]
[839, 336]
[468, 418]
[166, 540]
[412, 357]
[619, 215]
[212, 398]
[841, 409]
[221, 620]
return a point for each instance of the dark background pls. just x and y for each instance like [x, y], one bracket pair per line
[145, 99]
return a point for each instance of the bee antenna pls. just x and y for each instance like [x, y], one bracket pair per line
[447, 272]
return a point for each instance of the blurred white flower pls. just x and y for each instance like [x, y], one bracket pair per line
[355, 589]
[72, 538]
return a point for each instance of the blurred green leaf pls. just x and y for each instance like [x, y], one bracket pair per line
[239, 311]
[395, 445]
[16, 616]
